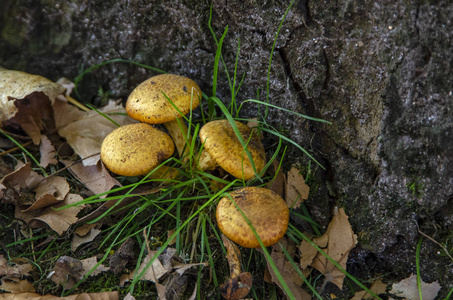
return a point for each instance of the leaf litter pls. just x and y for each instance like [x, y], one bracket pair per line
[41, 109]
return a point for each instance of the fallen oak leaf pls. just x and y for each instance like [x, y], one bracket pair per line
[25, 101]
[16, 285]
[291, 277]
[296, 189]
[378, 287]
[14, 271]
[86, 134]
[155, 270]
[13, 187]
[78, 240]
[340, 240]
[17, 179]
[47, 152]
[408, 288]
[49, 191]
[68, 270]
[90, 266]
[58, 220]
[85, 229]
[95, 177]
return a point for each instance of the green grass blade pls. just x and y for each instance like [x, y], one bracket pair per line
[116, 60]
[285, 110]
[417, 265]
[211, 107]
[103, 114]
[270, 59]
[26, 152]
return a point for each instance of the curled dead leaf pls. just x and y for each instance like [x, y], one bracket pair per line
[25, 101]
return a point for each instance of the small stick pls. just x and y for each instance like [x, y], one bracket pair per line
[433, 240]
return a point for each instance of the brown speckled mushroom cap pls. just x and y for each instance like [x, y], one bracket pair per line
[222, 144]
[135, 149]
[147, 104]
[267, 212]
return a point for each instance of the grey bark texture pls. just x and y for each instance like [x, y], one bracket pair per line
[380, 71]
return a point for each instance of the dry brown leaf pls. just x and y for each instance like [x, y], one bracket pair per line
[49, 191]
[65, 113]
[95, 177]
[78, 240]
[86, 134]
[408, 289]
[254, 124]
[85, 229]
[153, 273]
[161, 266]
[83, 296]
[169, 235]
[58, 220]
[341, 240]
[296, 189]
[68, 270]
[55, 185]
[378, 287]
[307, 254]
[14, 271]
[90, 263]
[292, 279]
[17, 286]
[25, 101]
[121, 257]
[47, 152]
[278, 185]
[13, 186]
[17, 179]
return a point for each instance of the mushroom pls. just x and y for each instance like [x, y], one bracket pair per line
[266, 211]
[223, 148]
[148, 103]
[239, 283]
[135, 149]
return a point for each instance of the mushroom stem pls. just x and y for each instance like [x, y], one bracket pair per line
[233, 256]
[178, 132]
[206, 162]
[239, 283]
[164, 172]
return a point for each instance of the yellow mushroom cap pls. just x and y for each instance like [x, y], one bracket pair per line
[148, 104]
[266, 211]
[135, 149]
[223, 146]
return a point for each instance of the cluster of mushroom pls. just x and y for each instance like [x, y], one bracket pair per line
[139, 148]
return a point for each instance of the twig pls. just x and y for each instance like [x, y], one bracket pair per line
[67, 167]
[15, 148]
[433, 240]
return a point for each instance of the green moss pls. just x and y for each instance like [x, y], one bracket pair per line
[416, 188]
